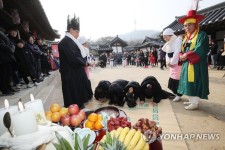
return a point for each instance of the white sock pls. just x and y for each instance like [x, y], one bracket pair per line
[194, 100]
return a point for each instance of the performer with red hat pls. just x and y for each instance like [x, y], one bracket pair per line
[194, 79]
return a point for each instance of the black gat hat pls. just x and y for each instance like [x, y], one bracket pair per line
[73, 23]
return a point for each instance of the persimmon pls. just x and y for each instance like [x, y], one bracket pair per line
[63, 111]
[55, 107]
[93, 117]
[89, 124]
[55, 117]
[100, 117]
[98, 125]
[48, 115]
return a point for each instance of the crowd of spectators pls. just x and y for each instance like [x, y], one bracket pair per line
[216, 56]
[22, 61]
[157, 57]
[137, 58]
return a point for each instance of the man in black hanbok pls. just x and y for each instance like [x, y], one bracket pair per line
[72, 58]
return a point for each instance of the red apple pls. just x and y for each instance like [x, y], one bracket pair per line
[73, 109]
[75, 120]
[82, 115]
[65, 120]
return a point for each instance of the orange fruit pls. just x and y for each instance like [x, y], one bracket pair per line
[55, 107]
[55, 117]
[100, 117]
[48, 115]
[89, 124]
[63, 111]
[93, 117]
[98, 125]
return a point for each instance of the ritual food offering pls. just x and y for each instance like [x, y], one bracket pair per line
[123, 138]
[115, 123]
[71, 116]
[148, 128]
[94, 121]
[54, 113]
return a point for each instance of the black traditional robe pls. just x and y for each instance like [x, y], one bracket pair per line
[73, 76]
[155, 90]
[137, 90]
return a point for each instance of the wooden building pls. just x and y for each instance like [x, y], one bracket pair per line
[152, 42]
[99, 49]
[28, 17]
[213, 24]
[131, 48]
[117, 44]
[146, 45]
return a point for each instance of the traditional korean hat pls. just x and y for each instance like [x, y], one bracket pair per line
[73, 23]
[192, 16]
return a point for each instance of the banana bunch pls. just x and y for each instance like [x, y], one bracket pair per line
[132, 139]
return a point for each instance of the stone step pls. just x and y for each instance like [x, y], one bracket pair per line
[52, 94]
[46, 92]
[24, 93]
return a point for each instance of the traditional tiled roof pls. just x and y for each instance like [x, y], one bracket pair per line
[118, 40]
[131, 48]
[214, 15]
[148, 42]
[32, 11]
[152, 41]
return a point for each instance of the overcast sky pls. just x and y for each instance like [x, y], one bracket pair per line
[100, 18]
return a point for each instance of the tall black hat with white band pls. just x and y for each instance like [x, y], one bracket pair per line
[73, 23]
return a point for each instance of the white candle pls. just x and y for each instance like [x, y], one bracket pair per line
[37, 107]
[24, 121]
[11, 109]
